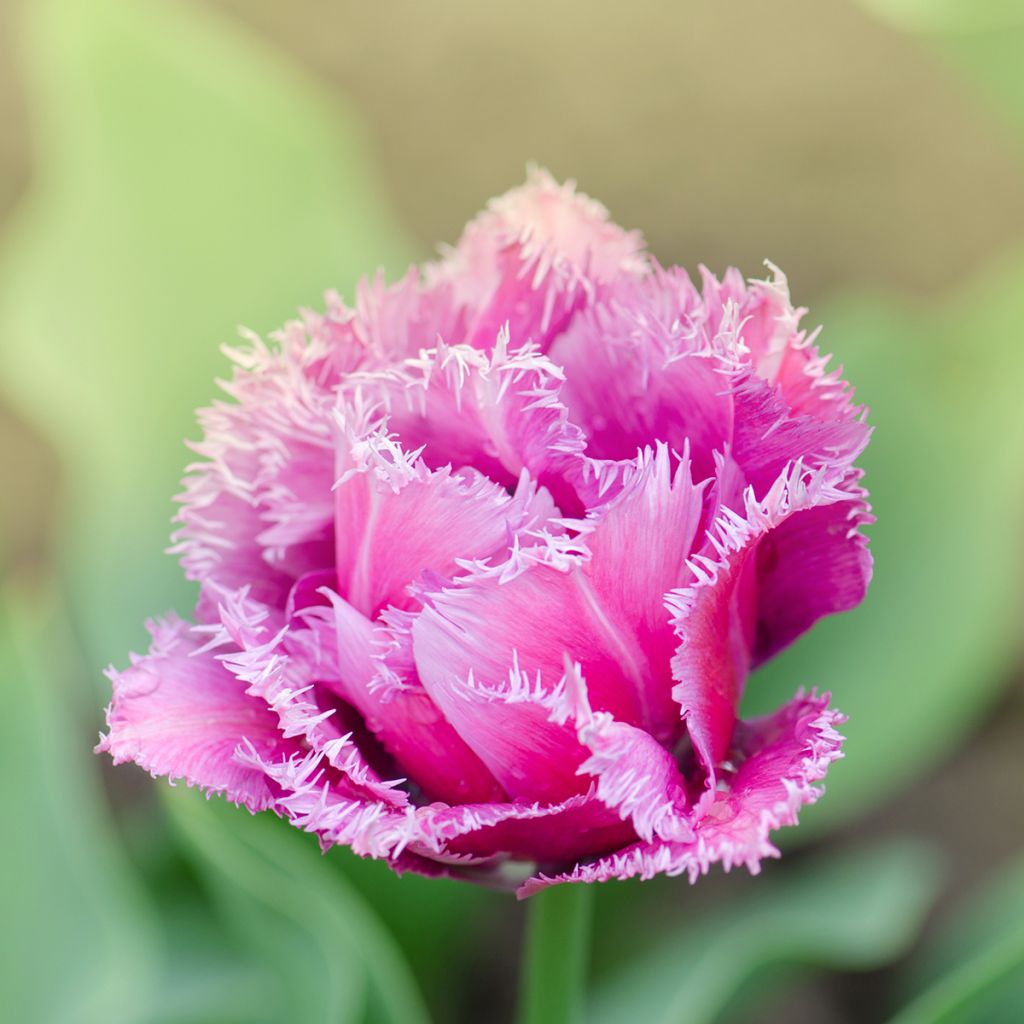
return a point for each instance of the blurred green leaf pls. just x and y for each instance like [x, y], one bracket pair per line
[947, 16]
[80, 941]
[918, 663]
[852, 911]
[186, 178]
[975, 969]
[314, 927]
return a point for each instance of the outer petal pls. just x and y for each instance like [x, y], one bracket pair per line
[581, 826]
[814, 564]
[731, 372]
[778, 761]
[716, 616]
[787, 404]
[544, 745]
[534, 257]
[178, 712]
[282, 665]
[604, 611]
[257, 510]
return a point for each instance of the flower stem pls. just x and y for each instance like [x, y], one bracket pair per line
[556, 950]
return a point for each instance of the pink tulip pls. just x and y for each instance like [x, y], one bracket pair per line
[485, 562]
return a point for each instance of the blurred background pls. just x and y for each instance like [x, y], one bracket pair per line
[169, 170]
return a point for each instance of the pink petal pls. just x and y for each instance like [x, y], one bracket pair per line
[281, 664]
[778, 761]
[640, 367]
[178, 712]
[816, 563]
[578, 826]
[606, 599]
[395, 519]
[787, 404]
[405, 721]
[535, 256]
[716, 615]
[507, 724]
[257, 511]
[496, 412]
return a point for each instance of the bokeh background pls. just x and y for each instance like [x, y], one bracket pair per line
[172, 168]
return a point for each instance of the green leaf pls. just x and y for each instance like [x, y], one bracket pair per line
[852, 911]
[925, 655]
[312, 925]
[976, 967]
[80, 939]
[187, 179]
[947, 16]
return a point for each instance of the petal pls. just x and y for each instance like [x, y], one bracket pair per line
[579, 826]
[496, 412]
[641, 368]
[507, 725]
[787, 404]
[178, 712]
[406, 721]
[283, 665]
[716, 615]
[599, 605]
[395, 519]
[635, 775]
[257, 510]
[535, 256]
[779, 759]
[816, 563]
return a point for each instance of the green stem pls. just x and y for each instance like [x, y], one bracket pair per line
[556, 951]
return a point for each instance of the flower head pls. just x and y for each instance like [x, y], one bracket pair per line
[485, 561]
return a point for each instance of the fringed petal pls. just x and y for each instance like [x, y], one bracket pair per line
[604, 594]
[777, 762]
[787, 404]
[715, 616]
[395, 519]
[498, 412]
[178, 712]
[280, 665]
[816, 563]
[405, 720]
[534, 257]
[641, 365]
[257, 510]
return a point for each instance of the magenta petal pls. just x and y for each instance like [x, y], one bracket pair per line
[640, 365]
[535, 256]
[606, 597]
[506, 722]
[498, 412]
[406, 721]
[178, 712]
[715, 616]
[580, 825]
[787, 404]
[779, 759]
[395, 519]
[814, 564]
